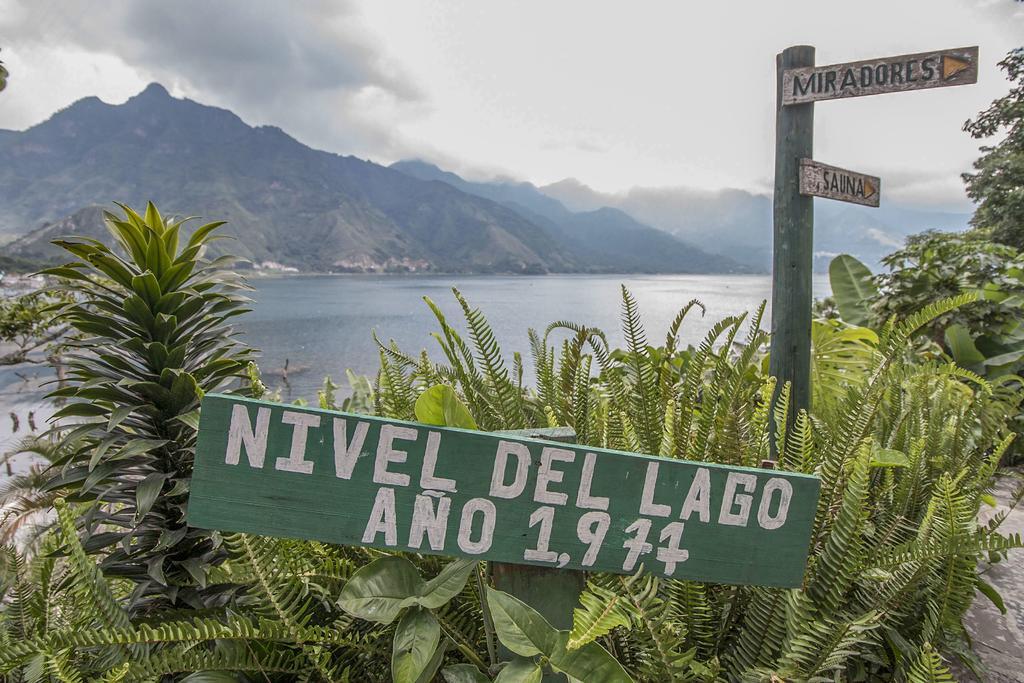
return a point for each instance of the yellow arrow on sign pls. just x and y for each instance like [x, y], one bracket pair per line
[869, 189]
[951, 66]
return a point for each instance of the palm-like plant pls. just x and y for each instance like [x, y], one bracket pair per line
[152, 318]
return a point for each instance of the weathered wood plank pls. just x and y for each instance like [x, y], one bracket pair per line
[298, 472]
[831, 182]
[793, 242]
[901, 73]
[554, 593]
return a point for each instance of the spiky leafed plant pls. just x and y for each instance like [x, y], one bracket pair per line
[152, 317]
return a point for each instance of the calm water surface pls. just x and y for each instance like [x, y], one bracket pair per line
[322, 325]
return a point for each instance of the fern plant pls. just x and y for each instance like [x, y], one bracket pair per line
[906, 450]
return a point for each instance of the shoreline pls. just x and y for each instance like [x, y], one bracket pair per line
[264, 274]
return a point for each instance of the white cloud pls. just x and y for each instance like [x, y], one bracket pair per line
[312, 68]
[662, 93]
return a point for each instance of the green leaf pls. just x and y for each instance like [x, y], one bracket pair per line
[447, 584]
[520, 670]
[989, 591]
[191, 419]
[440, 405]
[852, 288]
[211, 677]
[386, 586]
[1005, 358]
[117, 415]
[600, 611]
[887, 457]
[147, 491]
[962, 348]
[519, 627]
[989, 499]
[381, 589]
[416, 640]
[147, 287]
[203, 232]
[430, 671]
[590, 663]
[138, 447]
[463, 673]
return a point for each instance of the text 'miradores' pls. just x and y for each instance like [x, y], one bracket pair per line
[938, 69]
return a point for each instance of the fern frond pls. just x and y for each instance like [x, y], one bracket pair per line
[91, 584]
[600, 611]
[929, 668]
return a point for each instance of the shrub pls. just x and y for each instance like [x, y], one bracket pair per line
[153, 334]
[905, 461]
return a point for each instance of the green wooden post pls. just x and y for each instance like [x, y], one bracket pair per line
[793, 250]
[554, 593]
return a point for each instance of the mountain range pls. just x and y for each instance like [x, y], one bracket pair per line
[739, 223]
[289, 206]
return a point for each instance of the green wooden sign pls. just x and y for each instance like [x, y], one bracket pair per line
[282, 470]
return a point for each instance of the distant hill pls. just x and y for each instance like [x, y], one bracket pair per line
[739, 223]
[606, 238]
[285, 203]
[36, 249]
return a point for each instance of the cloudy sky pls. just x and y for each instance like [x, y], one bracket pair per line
[616, 94]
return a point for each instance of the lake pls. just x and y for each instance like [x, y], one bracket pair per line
[322, 325]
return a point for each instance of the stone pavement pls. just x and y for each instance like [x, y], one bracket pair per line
[998, 638]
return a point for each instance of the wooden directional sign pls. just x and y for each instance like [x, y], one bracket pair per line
[287, 471]
[939, 69]
[822, 180]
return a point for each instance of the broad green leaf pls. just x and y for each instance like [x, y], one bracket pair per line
[415, 642]
[962, 348]
[989, 499]
[386, 586]
[590, 663]
[1005, 358]
[381, 589]
[887, 457]
[440, 405]
[520, 670]
[430, 671]
[852, 288]
[519, 627]
[447, 584]
[463, 673]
